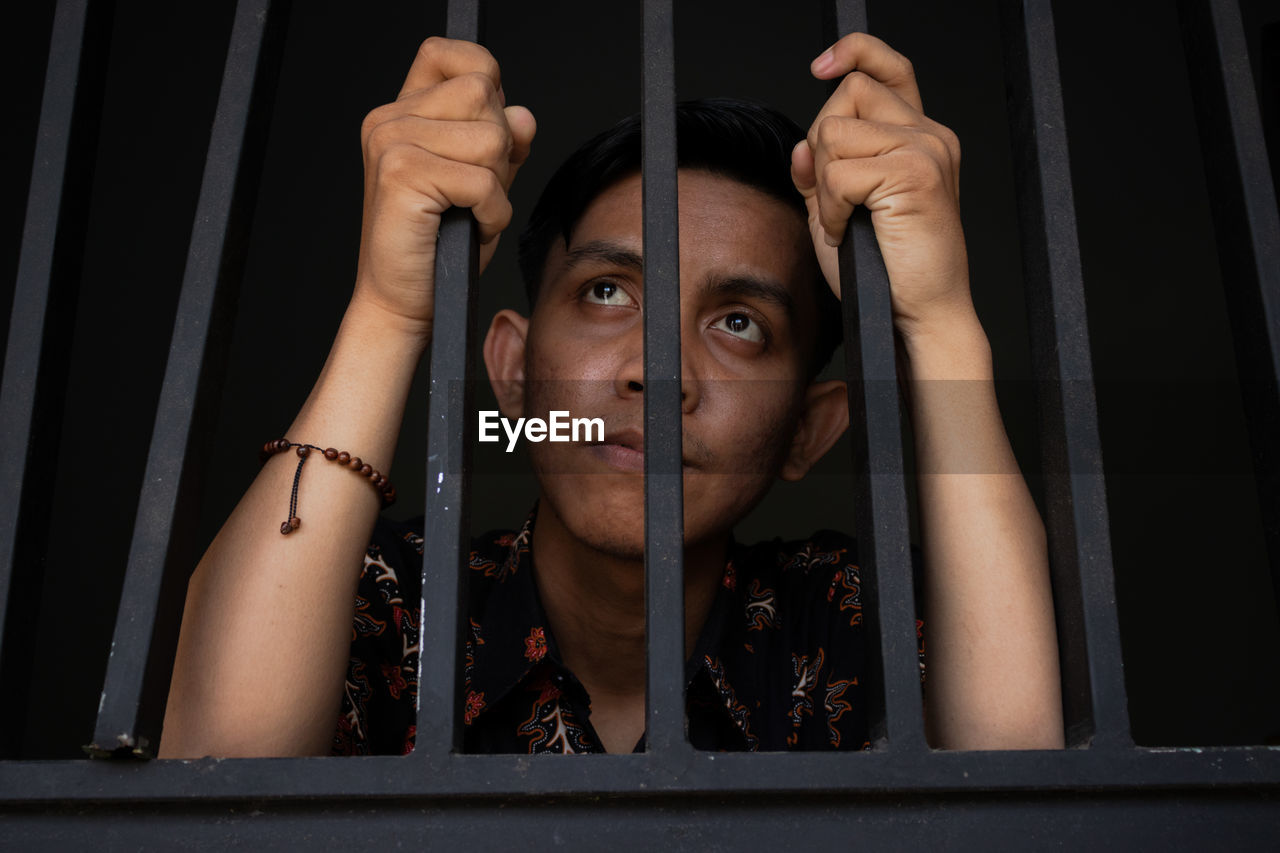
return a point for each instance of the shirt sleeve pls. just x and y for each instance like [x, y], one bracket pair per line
[380, 692]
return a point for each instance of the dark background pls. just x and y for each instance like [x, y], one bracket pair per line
[1197, 608]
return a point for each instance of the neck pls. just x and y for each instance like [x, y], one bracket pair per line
[595, 604]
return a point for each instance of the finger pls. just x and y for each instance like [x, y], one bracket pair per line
[860, 95]
[866, 53]
[442, 183]
[441, 59]
[843, 138]
[803, 169]
[844, 184]
[467, 97]
[523, 127]
[481, 143]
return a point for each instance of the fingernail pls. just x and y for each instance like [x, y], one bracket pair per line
[830, 241]
[823, 62]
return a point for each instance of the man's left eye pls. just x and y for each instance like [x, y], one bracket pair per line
[741, 326]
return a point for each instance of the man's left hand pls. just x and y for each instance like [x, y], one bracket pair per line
[872, 144]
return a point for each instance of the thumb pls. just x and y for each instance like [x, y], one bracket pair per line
[803, 174]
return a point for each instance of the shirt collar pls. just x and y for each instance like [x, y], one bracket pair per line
[511, 637]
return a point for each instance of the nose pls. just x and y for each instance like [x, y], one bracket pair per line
[629, 381]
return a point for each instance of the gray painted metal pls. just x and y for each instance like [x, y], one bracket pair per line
[162, 550]
[1247, 226]
[663, 483]
[44, 307]
[1029, 822]
[875, 424]
[1094, 702]
[450, 433]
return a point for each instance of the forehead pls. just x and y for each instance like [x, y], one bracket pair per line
[724, 225]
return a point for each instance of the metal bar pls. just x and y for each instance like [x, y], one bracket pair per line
[911, 822]
[1247, 226]
[163, 548]
[1094, 701]
[1138, 771]
[447, 530]
[875, 421]
[663, 484]
[37, 357]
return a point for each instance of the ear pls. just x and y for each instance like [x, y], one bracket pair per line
[825, 417]
[504, 347]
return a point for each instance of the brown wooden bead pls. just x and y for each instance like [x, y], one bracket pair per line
[344, 457]
[389, 496]
[282, 444]
[380, 483]
[295, 523]
[366, 469]
[286, 528]
[355, 463]
[331, 454]
[303, 451]
[374, 475]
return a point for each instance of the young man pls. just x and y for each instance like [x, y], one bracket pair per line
[573, 577]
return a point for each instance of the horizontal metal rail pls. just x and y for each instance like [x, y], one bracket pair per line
[348, 779]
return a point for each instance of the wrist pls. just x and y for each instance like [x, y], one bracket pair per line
[374, 326]
[955, 347]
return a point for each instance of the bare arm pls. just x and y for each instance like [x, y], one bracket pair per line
[992, 650]
[267, 624]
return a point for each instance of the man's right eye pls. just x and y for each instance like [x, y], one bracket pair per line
[607, 293]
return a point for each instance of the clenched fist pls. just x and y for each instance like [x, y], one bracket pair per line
[872, 144]
[447, 140]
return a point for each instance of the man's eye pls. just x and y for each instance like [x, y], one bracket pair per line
[742, 326]
[607, 293]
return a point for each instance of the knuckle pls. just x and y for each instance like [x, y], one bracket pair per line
[494, 145]
[476, 87]
[396, 163]
[379, 134]
[923, 167]
[829, 131]
[370, 123]
[431, 45]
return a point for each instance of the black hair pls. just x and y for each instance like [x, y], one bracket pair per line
[747, 142]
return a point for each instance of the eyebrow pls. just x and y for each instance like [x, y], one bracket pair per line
[603, 251]
[763, 289]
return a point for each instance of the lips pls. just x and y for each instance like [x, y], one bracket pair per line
[623, 449]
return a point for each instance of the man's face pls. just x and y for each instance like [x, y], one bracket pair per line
[747, 314]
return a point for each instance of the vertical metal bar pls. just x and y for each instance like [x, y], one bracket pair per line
[163, 546]
[37, 355]
[895, 716]
[449, 441]
[1079, 534]
[1247, 226]
[663, 486]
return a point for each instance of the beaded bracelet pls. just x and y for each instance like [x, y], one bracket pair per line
[381, 484]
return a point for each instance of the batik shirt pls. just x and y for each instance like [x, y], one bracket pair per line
[779, 664]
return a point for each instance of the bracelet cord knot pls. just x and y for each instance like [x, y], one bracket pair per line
[386, 492]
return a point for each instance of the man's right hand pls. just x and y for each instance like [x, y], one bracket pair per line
[447, 140]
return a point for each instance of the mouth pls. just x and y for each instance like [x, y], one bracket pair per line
[624, 450]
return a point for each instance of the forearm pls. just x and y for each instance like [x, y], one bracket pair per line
[990, 640]
[267, 625]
